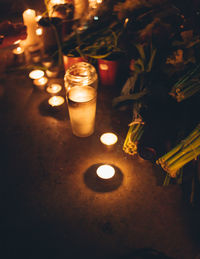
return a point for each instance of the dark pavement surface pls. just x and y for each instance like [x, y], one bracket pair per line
[51, 208]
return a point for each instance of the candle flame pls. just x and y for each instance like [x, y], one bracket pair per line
[56, 101]
[36, 74]
[29, 11]
[105, 171]
[39, 31]
[17, 42]
[37, 18]
[54, 88]
[108, 138]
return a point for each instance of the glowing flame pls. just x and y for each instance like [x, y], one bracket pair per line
[36, 74]
[56, 101]
[105, 171]
[108, 138]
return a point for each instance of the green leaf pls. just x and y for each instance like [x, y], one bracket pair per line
[131, 97]
[141, 51]
[150, 64]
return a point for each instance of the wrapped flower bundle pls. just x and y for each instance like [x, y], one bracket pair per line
[187, 150]
[136, 129]
[188, 85]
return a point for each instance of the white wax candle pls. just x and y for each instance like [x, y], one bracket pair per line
[31, 24]
[40, 82]
[56, 101]
[38, 17]
[105, 171]
[108, 139]
[18, 51]
[54, 88]
[36, 74]
[39, 31]
[53, 72]
[82, 110]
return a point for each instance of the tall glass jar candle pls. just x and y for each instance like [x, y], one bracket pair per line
[81, 83]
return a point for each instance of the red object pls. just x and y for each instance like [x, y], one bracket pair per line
[12, 32]
[108, 70]
[67, 27]
[69, 61]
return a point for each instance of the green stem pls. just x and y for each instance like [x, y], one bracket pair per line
[184, 159]
[183, 143]
[195, 144]
[167, 180]
[60, 60]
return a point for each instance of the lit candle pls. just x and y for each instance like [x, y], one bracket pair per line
[31, 24]
[40, 82]
[56, 101]
[52, 3]
[54, 88]
[47, 62]
[105, 171]
[17, 42]
[108, 139]
[38, 17]
[39, 31]
[18, 54]
[36, 74]
[82, 109]
[52, 72]
[18, 51]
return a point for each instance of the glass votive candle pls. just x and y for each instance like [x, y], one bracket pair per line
[54, 88]
[81, 89]
[105, 171]
[36, 74]
[109, 139]
[40, 82]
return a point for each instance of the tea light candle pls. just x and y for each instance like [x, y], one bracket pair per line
[47, 62]
[18, 54]
[56, 101]
[38, 17]
[17, 42]
[36, 74]
[108, 139]
[52, 72]
[18, 51]
[40, 82]
[54, 88]
[31, 24]
[39, 31]
[105, 171]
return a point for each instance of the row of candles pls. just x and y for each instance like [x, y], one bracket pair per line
[108, 139]
[41, 81]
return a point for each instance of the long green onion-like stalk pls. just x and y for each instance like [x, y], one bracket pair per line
[187, 86]
[187, 150]
[136, 129]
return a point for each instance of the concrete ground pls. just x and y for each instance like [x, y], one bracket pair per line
[53, 205]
